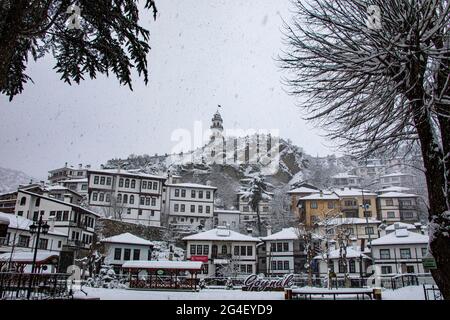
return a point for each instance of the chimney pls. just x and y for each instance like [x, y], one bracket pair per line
[208, 183]
[80, 166]
[65, 165]
[249, 231]
[269, 230]
[169, 177]
[88, 166]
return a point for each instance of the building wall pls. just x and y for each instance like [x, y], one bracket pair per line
[109, 251]
[310, 214]
[396, 262]
[15, 237]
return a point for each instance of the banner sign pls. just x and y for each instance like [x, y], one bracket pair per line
[200, 258]
[255, 283]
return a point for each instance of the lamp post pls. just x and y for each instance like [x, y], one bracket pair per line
[40, 227]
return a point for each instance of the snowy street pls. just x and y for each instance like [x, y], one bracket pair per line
[407, 293]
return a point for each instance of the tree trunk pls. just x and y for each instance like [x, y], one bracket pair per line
[259, 220]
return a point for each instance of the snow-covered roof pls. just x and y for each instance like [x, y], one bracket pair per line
[285, 234]
[222, 211]
[74, 180]
[303, 190]
[27, 256]
[344, 175]
[346, 221]
[393, 189]
[165, 264]
[127, 238]
[22, 223]
[401, 225]
[190, 185]
[335, 254]
[401, 236]
[397, 195]
[221, 234]
[396, 174]
[350, 192]
[127, 173]
[321, 196]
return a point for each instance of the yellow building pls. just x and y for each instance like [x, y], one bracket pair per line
[352, 200]
[317, 206]
[298, 193]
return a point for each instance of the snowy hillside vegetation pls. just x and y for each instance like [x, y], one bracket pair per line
[11, 179]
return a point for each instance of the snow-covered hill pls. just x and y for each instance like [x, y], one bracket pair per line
[10, 179]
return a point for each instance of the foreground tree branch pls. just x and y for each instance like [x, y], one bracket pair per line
[377, 89]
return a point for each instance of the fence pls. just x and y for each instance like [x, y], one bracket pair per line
[431, 292]
[42, 286]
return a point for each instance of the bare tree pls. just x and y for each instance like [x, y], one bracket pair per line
[378, 86]
[116, 208]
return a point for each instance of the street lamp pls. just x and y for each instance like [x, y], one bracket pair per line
[41, 227]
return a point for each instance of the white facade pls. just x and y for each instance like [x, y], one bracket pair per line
[78, 185]
[70, 219]
[18, 236]
[126, 247]
[127, 196]
[400, 252]
[68, 172]
[247, 212]
[227, 218]
[189, 205]
[397, 179]
[223, 252]
[344, 180]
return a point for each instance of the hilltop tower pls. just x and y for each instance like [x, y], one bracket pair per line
[216, 126]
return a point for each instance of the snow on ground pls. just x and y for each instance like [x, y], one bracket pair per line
[407, 293]
[206, 294]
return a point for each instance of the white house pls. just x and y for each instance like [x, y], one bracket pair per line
[398, 207]
[223, 252]
[126, 247]
[227, 218]
[247, 212]
[78, 185]
[283, 252]
[68, 218]
[397, 179]
[129, 196]
[344, 180]
[400, 252]
[189, 205]
[68, 172]
[18, 236]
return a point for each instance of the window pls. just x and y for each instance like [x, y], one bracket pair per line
[243, 250]
[119, 198]
[200, 209]
[176, 207]
[313, 205]
[199, 249]
[96, 178]
[23, 201]
[279, 247]
[265, 209]
[273, 247]
[205, 249]
[58, 215]
[133, 183]
[20, 213]
[177, 192]
[391, 214]
[405, 253]
[127, 254]
[246, 208]
[205, 268]
[153, 202]
[136, 254]
[389, 202]
[125, 198]
[101, 197]
[94, 196]
[285, 246]
[192, 249]
[249, 250]
[155, 185]
[38, 202]
[409, 269]
[182, 208]
[352, 266]
[236, 250]
[408, 215]
[192, 208]
[183, 193]
[330, 204]
[121, 182]
[128, 210]
[279, 265]
[108, 197]
[35, 216]
[23, 241]
[424, 252]
[102, 180]
[224, 249]
[131, 199]
[342, 267]
[208, 209]
[386, 269]
[385, 254]
[147, 201]
[65, 216]
[274, 265]
[140, 212]
[108, 181]
[127, 183]
[208, 194]
[144, 184]
[192, 193]
[52, 213]
[142, 201]
[369, 230]
[117, 253]
[286, 265]
[249, 268]
[200, 194]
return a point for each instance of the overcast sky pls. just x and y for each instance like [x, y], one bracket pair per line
[204, 53]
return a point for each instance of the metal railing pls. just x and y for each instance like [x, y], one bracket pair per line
[43, 286]
[432, 292]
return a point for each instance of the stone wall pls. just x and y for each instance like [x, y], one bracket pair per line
[108, 228]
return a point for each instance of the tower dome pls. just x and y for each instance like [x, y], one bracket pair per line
[216, 126]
